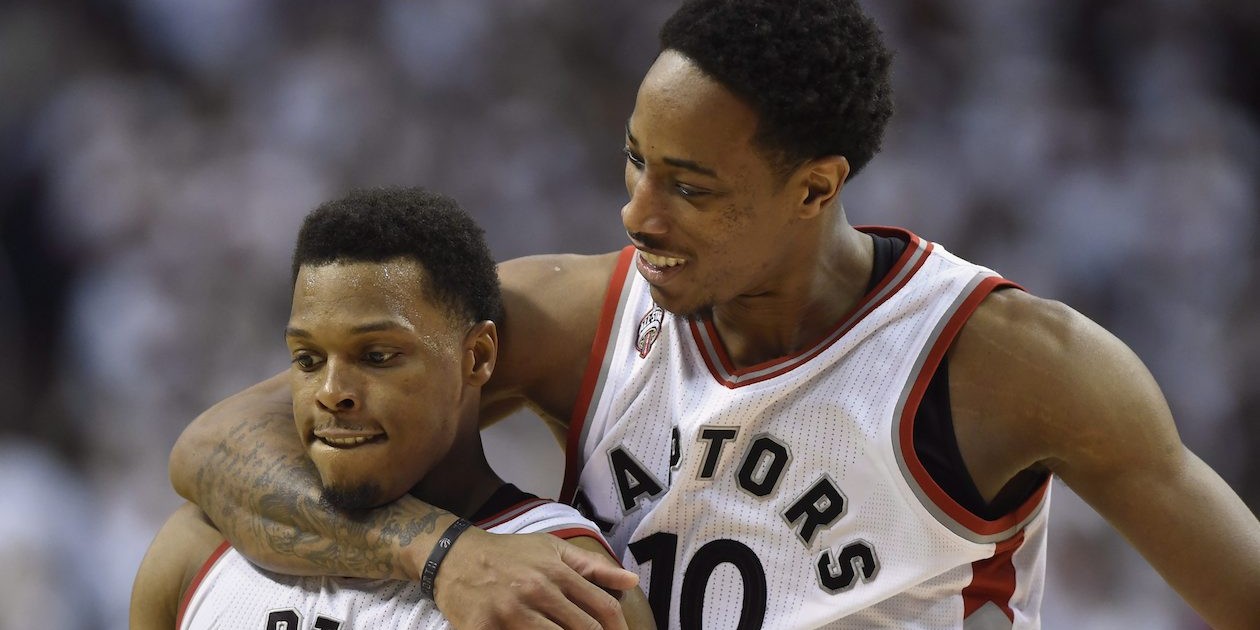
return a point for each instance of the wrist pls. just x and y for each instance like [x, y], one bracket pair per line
[437, 556]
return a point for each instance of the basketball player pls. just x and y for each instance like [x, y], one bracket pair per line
[392, 335]
[781, 420]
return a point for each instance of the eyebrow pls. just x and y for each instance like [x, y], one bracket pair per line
[381, 326]
[689, 165]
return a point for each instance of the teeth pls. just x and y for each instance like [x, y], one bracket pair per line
[661, 261]
[350, 441]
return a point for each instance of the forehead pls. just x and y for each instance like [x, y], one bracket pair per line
[355, 290]
[683, 112]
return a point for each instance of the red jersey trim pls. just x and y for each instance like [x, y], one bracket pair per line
[723, 370]
[565, 532]
[570, 533]
[994, 579]
[510, 513]
[951, 508]
[594, 369]
[196, 581]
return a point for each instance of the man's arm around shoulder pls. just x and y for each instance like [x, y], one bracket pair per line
[242, 464]
[552, 305]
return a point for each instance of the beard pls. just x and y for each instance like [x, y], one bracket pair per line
[697, 310]
[357, 497]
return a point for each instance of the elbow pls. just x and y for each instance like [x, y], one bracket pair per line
[188, 451]
[211, 435]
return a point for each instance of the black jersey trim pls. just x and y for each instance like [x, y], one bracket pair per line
[935, 442]
[506, 503]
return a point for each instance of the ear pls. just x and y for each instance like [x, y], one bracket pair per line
[481, 349]
[820, 182]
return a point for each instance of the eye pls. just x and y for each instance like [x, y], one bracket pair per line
[377, 357]
[306, 361]
[633, 158]
[689, 191]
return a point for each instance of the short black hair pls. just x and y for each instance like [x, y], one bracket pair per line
[815, 71]
[382, 224]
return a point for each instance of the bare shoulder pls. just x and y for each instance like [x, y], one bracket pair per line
[552, 305]
[1056, 388]
[1047, 349]
[1012, 326]
[565, 288]
[531, 270]
[178, 551]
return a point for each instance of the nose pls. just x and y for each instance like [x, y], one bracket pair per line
[338, 393]
[644, 213]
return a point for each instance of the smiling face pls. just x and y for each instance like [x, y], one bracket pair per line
[378, 389]
[712, 217]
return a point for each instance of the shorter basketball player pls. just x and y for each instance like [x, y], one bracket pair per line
[392, 336]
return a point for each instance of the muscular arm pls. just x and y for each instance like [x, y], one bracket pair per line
[1037, 384]
[552, 307]
[242, 464]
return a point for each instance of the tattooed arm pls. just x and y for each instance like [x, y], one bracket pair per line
[259, 488]
[241, 462]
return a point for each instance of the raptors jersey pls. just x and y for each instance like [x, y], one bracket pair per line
[789, 494]
[232, 593]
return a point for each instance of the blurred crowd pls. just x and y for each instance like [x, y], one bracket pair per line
[156, 157]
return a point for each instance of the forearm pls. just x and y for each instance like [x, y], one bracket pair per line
[242, 464]
[1195, 531]
[1211, 552]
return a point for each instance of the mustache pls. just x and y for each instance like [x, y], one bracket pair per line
[646, 240]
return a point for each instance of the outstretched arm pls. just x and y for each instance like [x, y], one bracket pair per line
[1074, 399]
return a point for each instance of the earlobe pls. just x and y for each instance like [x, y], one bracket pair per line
[481, 347]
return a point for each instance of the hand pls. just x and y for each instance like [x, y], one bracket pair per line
[528, 581]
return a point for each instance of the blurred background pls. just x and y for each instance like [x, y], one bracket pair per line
[156, 157]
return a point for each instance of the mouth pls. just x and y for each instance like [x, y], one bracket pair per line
[661, 262]
[658, 269]
[347, 439]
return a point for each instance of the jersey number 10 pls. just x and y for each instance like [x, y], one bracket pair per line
[856, 561]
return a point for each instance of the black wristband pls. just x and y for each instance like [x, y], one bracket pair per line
[429, 575]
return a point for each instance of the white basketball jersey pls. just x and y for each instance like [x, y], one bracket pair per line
[788, 494]
[232, 592]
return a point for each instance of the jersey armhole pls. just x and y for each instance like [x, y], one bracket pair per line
[934, 497]
[596, 368]
[197, 580]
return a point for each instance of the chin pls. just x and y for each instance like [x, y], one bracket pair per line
[360, 496]
[694, 309]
